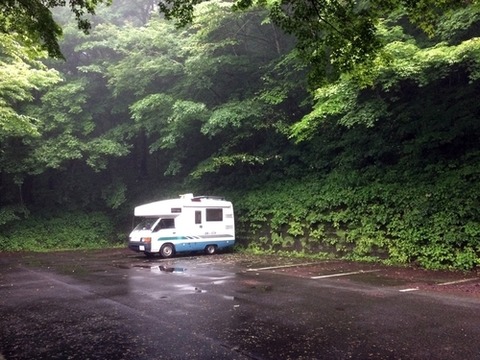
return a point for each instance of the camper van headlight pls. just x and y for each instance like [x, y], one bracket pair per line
[146, 239]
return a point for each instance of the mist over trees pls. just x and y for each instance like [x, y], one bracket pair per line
[356, 135]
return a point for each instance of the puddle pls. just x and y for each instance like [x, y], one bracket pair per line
[190, 288]
[166, 269]
[220, 280]
[143, 266]
[122, 266]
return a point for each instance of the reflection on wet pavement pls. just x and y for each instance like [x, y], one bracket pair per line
[169, 269]
[112, 305]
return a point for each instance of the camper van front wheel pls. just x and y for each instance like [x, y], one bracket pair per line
[167, 250]
[211, 249]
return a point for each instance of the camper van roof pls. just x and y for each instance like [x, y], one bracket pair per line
[196, 198]
[172, 206]
[208, 197]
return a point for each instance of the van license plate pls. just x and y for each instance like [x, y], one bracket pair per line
[141, 248]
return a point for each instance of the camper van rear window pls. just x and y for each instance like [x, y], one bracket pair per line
[214, 214]
[176, 210]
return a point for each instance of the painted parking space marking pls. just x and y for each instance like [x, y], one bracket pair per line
[458, 281]
[409, 289]
[343, 274]
[396, 287]
[281, 267]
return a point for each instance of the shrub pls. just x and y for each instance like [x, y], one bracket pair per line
[65, 231]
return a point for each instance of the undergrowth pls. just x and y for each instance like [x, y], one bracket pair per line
[74, 230]
[431, 219]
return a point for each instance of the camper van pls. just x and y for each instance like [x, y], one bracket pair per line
[186, 224]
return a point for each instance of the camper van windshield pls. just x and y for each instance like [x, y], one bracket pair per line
[146, 224]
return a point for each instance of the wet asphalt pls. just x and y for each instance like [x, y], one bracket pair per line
[120, 305]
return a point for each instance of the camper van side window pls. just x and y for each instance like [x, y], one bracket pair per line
[214, 214]
[198, 217]
[165, 224]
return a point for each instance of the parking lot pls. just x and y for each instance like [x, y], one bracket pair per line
[118, 304]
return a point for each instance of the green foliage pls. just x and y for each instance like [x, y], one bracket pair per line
[150, 59]
[332, 36]
[384, 167]
[12, 213]
[100, 150]
[33, 19]
[365, 95]
[214, 164]
[460, 25]
[66, 102]
[21, 73]
[66, 231]
[232, 116]
[402, 190]
[115, 195]
[412, 220]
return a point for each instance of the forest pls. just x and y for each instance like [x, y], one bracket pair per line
[338, 129]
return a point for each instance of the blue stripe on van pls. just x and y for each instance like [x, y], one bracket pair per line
[198, 243]
[201, 237]
[171, 238]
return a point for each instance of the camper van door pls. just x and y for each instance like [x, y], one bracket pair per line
[163, 231]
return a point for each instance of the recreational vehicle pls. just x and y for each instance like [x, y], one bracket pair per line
[188, 223]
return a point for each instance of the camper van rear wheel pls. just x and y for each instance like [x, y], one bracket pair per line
[167, 250]
[210, 249]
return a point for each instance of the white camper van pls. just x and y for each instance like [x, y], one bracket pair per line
[189, 223]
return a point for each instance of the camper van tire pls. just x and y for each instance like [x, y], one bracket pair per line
[210, 249]
[167, 250]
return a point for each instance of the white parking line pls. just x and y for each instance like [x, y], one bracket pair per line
[343, 274]
[408, 290]
[458, 281]
[281, 267]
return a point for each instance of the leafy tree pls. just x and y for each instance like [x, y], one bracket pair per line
[332, 35]
[75, 139]
[368, 93]
[251, 86]
[207, 85]
[33, 19]
[22, 75]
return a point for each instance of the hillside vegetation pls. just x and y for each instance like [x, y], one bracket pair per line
[370, 153]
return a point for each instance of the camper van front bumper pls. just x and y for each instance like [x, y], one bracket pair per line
[139, 246]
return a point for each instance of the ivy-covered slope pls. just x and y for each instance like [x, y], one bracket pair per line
[388, 163]
[431, 218]
[405, 189]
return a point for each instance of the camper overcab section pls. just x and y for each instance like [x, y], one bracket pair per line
[190, 223]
